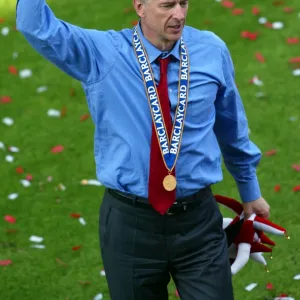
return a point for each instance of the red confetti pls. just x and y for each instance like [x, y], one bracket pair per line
[292, 40]
[13, 70]
[176, 293]
[5, 262]
[296, 188]
[277, 3]
[10, 219]
[255, 11]
[296, 167]
[288, 9]
[11, 230]
[84, 117]
[63, 112]
[5, 99]
[75, 215]
[76, 248]
[260, 57]
[207, 22]
[57, 149]
[277, 188]
[2, 20]
[29, 177]
[237, 11]
[295, 60]
[268, 25]
[19, 170]
[72, 92]
[249, 35]
[134, 23]
[228, 4]
[271, 152]
[269, 286]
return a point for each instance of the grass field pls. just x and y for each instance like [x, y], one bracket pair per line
[44, 208]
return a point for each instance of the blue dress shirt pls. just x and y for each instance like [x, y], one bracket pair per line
[105, 63]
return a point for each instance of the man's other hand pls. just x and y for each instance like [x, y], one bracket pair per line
[259, 207]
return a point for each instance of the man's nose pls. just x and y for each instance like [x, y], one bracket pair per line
[179, 13]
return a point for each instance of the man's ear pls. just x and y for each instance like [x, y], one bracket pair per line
[139, 7]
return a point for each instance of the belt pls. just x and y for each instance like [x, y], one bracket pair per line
[180, 205]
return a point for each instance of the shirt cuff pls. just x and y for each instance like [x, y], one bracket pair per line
[250, 190]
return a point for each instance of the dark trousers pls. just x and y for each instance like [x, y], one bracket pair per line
[141, 250]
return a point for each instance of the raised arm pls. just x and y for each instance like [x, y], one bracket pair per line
[84, 54]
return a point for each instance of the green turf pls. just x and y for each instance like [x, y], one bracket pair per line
[43, 210]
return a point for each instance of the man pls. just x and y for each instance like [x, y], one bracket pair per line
[158, 216]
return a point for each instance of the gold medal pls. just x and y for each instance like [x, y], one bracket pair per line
[169, 183]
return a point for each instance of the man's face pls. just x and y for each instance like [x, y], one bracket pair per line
[165, 19]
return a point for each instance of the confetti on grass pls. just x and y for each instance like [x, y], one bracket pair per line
[251, 287]
[57, 149]
[10, 219]
[5, 262]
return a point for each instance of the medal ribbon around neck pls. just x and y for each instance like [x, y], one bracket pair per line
[169, 148]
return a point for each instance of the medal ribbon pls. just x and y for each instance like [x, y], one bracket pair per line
[169, 147]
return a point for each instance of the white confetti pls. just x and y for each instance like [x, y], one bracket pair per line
[91, 182]
[2, 146]
[293, 119]
[9, 158]
[98, 297]
[53, 113]
[296, 72]
[102, 273]
[251, 287]
[284, 298]
[36, 239]
[13, 196]
[262, 20]
[8, 121]
[61, 187]
[5, 31]
[13, 149]
[25, 73]
[82, 221]
[297, 277]
[42, 89]
[260, 94]
[277, 25]
[15, 55]
[25, 182]
[38, 246]
[256, 81]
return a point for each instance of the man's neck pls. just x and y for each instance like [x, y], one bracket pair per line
[162, 45]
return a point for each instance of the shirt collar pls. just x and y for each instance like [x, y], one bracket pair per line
[153, 52]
